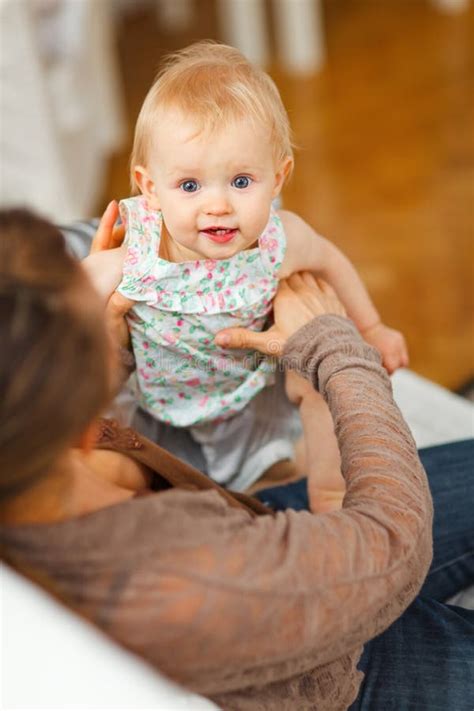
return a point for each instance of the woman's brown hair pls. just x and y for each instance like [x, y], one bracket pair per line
[53, 350]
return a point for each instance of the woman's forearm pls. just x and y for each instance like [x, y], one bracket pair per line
[378, 454]
[313, 587]
[347, 372]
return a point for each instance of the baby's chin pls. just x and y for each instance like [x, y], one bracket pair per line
[219, 254]
[224, 251]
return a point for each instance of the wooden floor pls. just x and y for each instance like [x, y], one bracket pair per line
[385, 166]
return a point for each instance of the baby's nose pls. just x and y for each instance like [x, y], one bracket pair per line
[218, 204]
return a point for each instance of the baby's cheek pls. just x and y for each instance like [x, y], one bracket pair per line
[255, 224]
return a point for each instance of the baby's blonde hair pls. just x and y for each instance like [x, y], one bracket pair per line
[214, 84]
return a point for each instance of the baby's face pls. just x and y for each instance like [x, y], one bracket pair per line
[214, 190]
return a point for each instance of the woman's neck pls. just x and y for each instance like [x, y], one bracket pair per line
[71, 489]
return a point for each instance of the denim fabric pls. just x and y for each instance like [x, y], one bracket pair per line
[425, 660]
[450, 469]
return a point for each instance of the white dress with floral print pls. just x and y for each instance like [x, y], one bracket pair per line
[183, 378]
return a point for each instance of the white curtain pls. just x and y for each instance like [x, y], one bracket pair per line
[60, 104]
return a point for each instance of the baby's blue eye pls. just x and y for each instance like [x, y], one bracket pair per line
[241, 181]
[189, 186]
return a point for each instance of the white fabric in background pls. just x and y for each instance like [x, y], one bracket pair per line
[51, 659]
[60, 102]
[435, 415]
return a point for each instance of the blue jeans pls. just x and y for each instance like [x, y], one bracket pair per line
[425, 660]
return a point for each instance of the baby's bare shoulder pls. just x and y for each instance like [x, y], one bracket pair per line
[302, 244]
[290, 220]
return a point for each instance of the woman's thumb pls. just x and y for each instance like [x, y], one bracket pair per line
[264, 342]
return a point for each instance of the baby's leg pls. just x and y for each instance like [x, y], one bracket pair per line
[318, 452]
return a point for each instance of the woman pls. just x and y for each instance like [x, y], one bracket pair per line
[265, 611]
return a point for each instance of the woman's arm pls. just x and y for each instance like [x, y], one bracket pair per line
[266, 598]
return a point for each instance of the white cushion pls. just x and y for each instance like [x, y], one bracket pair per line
[434, 414]
[51, 659]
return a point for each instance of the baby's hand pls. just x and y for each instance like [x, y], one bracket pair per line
[391, 345]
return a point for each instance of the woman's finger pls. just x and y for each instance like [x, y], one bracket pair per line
[283, 286]
[317, 283]
[310, 279]
[118, 305]
[118, 235]
[103, 236]
[318, 290]
[267, 342]
[295, 281]
[325, 287]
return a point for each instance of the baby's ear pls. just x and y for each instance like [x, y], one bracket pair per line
[146, 185]
[281, 174]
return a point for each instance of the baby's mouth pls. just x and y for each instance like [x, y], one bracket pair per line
[219, 234]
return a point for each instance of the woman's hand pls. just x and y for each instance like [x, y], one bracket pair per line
[109, 235]
[104, 268]
[299, 299]
[105, 261]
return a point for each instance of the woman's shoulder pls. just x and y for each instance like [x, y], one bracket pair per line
[174, 472]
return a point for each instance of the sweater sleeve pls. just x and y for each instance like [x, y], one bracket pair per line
[254, 600]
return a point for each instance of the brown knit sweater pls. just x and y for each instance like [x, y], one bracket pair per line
[258, 612]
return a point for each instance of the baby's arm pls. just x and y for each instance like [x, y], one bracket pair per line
[306, 250]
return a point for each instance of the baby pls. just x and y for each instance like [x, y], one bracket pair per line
[205, 250]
